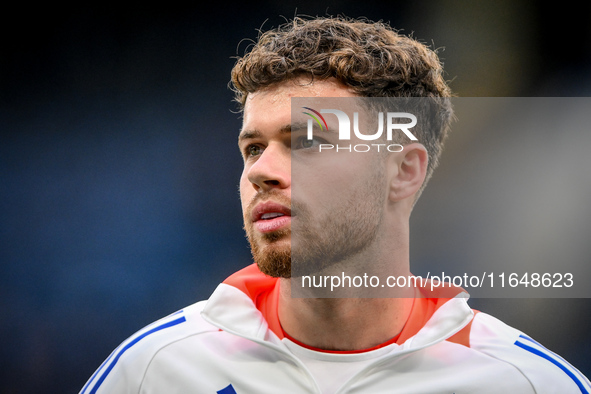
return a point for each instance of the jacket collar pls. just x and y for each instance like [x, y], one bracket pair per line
[245, 304]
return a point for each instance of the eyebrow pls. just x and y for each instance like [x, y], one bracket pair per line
[286, 129]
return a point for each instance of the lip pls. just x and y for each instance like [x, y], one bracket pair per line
[272, 223]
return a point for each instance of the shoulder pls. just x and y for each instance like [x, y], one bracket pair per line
[124, 369]
[545, 370]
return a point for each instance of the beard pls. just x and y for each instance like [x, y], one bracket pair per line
[323, 240]
[270, 251]
[320, 240]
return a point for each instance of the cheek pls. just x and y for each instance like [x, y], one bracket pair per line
[246, 190]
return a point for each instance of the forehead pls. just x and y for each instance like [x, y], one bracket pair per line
[278, 97]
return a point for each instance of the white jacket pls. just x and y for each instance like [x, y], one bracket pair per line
[232, 343]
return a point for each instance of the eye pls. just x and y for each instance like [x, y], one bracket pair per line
[252, 150]
[302, 142]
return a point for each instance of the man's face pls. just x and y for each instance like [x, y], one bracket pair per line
[337, 208]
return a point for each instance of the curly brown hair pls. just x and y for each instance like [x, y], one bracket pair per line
[369, 57]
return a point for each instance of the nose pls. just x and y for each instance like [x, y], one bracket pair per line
[272, 170]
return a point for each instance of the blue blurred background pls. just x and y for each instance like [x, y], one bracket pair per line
[119, 166]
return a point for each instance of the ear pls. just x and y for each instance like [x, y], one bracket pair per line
[409, 169]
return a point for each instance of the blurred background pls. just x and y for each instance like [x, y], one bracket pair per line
[119, 167]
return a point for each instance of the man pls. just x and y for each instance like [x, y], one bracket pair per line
[345, 213]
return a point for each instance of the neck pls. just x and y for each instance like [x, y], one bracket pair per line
[342, 323]
[350, 323]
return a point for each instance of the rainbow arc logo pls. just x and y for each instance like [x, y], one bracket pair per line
[318, 115]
